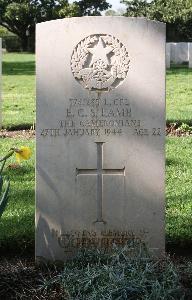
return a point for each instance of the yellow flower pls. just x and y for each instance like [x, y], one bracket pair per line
[23, 153]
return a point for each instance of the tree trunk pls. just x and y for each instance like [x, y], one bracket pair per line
[24, 43]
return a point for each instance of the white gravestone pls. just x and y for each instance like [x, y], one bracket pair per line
[190, 55]
[173, 52]
[179, 53]
[168, 55]
[100, 134]
[1, 113]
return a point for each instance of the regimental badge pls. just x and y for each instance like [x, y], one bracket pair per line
[100, 62]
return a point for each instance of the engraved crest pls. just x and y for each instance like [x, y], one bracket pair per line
[100, 62]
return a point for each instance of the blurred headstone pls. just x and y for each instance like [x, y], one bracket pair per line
[179, 53]
[168, 55]
[190, 55]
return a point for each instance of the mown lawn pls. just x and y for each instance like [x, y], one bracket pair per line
[19, 92]
[179, 190]
[17, 222]
[179, 95]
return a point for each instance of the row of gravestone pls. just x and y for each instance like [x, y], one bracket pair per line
[178, 54]
[100, 134]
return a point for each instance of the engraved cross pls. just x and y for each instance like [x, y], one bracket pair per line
[100, 172]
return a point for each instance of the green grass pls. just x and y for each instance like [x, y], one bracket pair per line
[179, 190]
[18, 90]
[179, 95]
[17, 222]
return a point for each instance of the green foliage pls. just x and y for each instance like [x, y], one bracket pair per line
[185, 127]
[96, 275]
[171, 11]
[136, 8]
[92, 7]
[12, 43]
[176, 13]
[162, 10]
[165, 278]
[4, 32]
[20, 17]
[70, 10]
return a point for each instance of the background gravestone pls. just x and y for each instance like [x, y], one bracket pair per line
[168, 55]
[179, 53]
[1, 83]
[100, 134]
[190, 55]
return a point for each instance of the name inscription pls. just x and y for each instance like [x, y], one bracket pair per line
[99, 117]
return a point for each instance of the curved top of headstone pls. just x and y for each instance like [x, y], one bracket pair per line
[99, 55]
[106, 18]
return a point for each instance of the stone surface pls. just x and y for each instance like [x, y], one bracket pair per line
[100, 134]
[190, 55]
[168, 55]
[0, 83]
[179, 53]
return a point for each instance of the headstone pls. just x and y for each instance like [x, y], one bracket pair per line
[168, 55]
[100, 134]
[179, 53]
[0, 83]
[173, 52]
[190, 55]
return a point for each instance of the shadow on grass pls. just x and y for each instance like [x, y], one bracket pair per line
[179, 249]
[22, 170]
[179, 122]
[179, 70]
[18, 68]
[20, 242]
[179, 221]
[15, 127]
[171, 162]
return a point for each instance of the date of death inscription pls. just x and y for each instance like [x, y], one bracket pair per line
[99, 117]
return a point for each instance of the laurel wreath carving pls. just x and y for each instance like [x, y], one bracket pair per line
[80, 54]
[119, 65]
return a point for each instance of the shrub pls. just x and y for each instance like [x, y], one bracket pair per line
[12, 43]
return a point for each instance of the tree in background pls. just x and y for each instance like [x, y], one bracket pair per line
[20, 16]
[176, 13]
[3, 31]
[92, 7]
